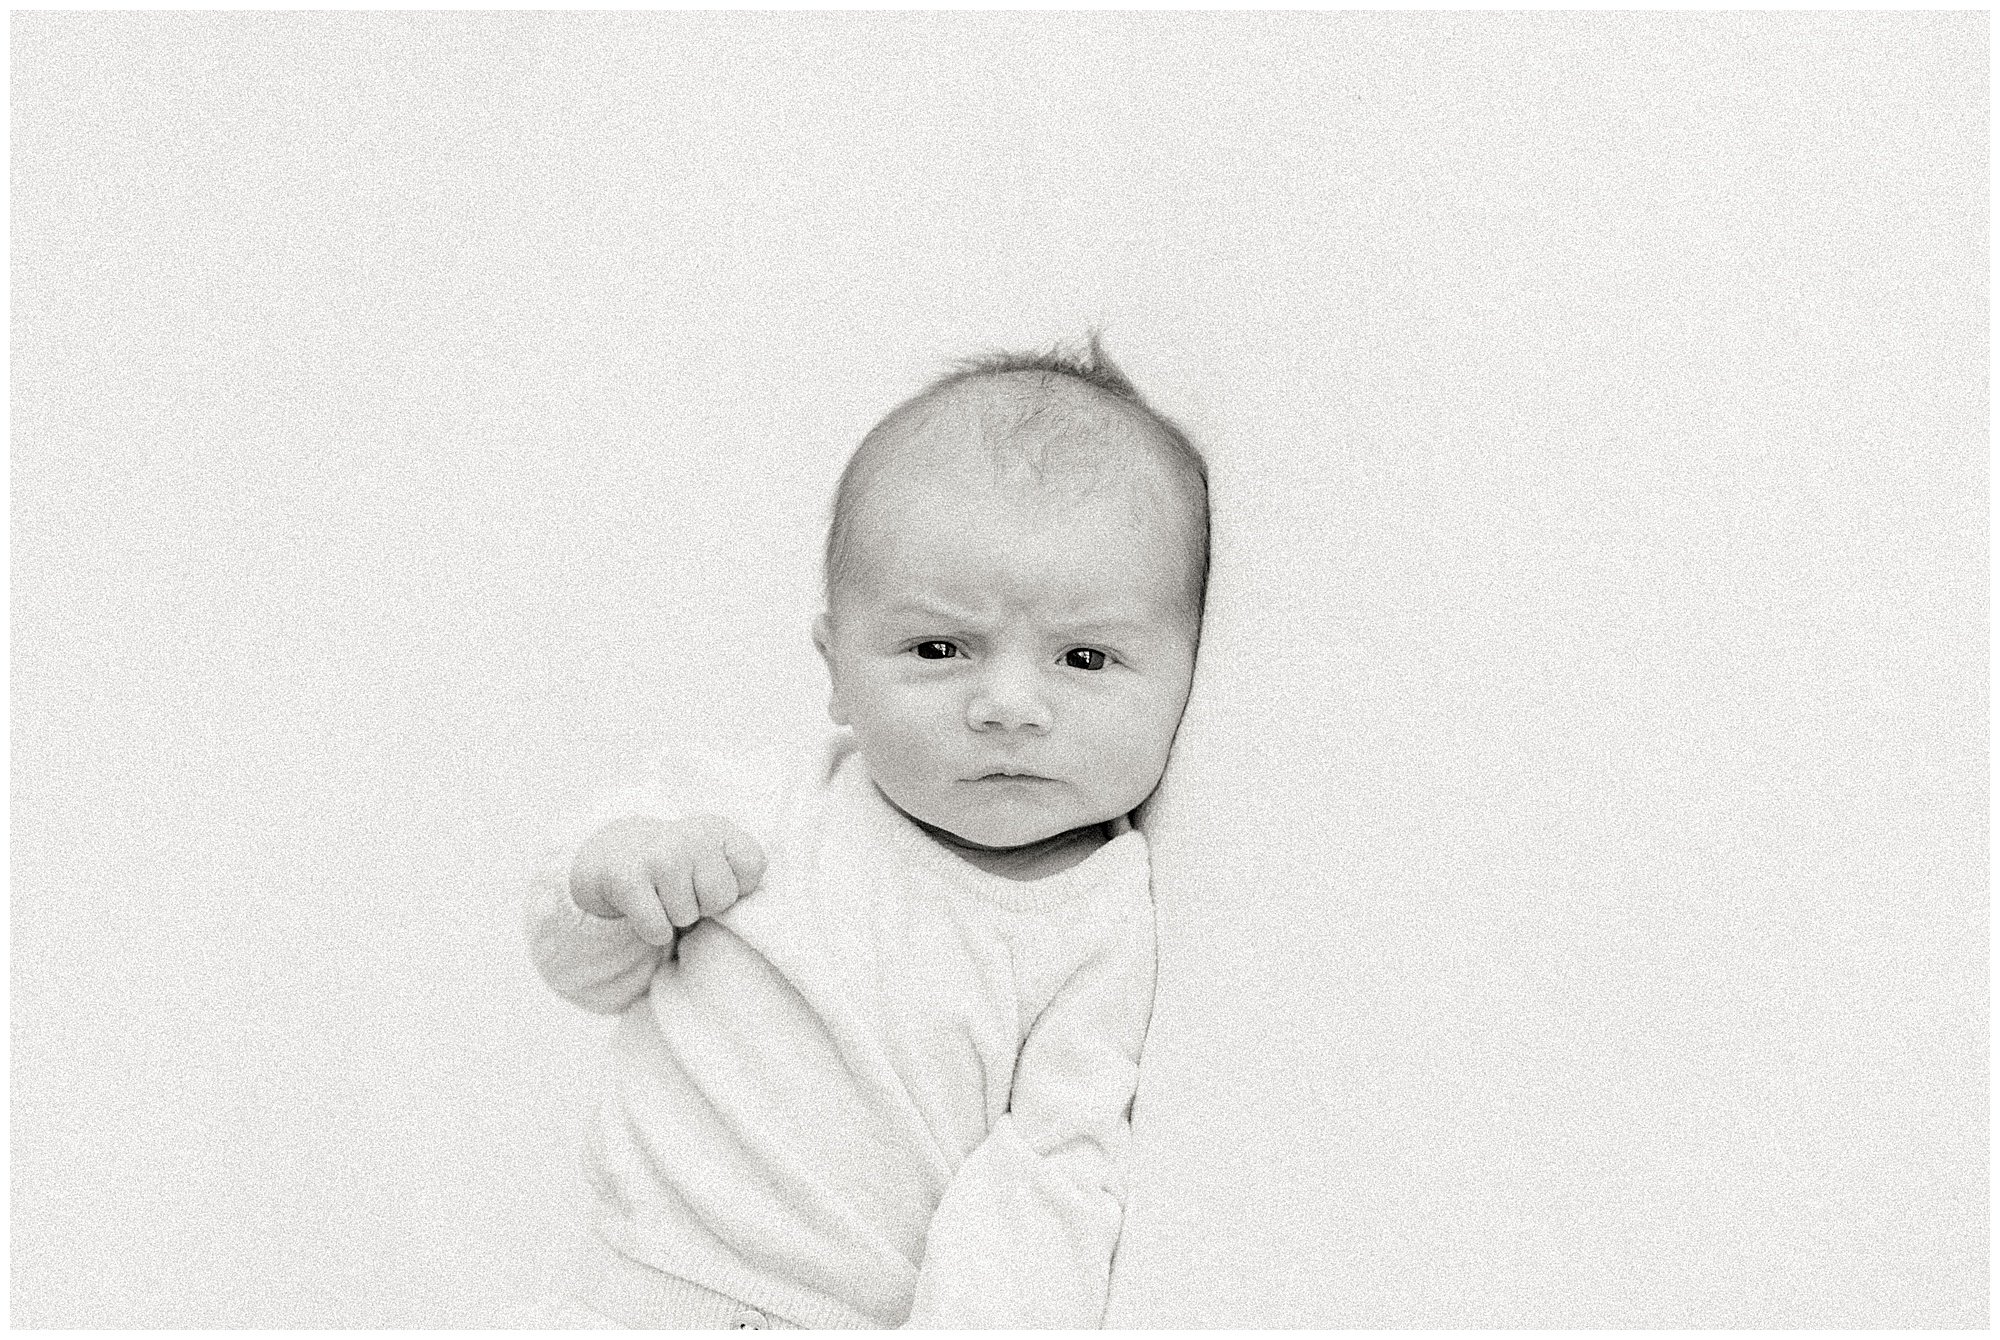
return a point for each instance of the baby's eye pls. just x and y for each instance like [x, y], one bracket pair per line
[1092, 659]
[936, 651]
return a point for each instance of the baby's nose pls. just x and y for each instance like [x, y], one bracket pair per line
[1007, 701]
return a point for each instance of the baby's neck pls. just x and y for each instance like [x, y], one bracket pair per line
[1033, 860]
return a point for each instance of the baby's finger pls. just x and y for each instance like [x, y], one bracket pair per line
[746, 858]
[714, 882]
[672, 879]
[634, 897]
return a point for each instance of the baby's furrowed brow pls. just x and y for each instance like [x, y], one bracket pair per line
[1083, 629]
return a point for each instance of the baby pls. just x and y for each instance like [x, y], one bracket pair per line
[877, 1069]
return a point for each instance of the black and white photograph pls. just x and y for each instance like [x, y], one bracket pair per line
[1039, 669]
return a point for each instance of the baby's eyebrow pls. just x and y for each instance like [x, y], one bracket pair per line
[928, 612]
[1118, 627]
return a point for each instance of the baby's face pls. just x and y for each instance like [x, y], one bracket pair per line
[1013, 666]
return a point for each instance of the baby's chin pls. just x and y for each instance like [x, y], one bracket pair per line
[994, 826]
[988, 834]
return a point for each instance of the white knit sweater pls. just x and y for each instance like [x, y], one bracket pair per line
[887, 1086]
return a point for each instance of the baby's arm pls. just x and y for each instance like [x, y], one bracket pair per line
[600, 915]
[1024, 1235]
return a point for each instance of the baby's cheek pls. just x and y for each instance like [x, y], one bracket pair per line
[1147, 743]
[916, 741]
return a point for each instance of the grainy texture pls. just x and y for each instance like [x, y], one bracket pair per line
[1572, 873]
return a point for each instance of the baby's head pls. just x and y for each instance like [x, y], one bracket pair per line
[1014, 583]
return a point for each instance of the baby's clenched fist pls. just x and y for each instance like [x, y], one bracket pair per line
[664, 877]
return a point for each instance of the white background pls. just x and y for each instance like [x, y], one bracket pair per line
[1571, 874]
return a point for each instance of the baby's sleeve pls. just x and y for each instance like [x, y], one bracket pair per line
[1024, 1234]
[596, 962]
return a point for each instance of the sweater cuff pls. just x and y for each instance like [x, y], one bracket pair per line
[552, 906]
[593, 928]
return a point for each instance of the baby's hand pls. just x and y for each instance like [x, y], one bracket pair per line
[663, 876]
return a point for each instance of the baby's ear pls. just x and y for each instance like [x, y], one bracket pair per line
[822, 633]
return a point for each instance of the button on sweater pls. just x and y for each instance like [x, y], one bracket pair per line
[885, 1088]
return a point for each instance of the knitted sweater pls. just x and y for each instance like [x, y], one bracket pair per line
[887, 1086]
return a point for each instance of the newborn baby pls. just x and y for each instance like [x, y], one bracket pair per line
[876, 1069]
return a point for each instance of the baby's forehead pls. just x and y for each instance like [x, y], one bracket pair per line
[971, 539]
[932, 529]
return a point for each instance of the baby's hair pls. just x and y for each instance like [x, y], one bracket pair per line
[1092, 367]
